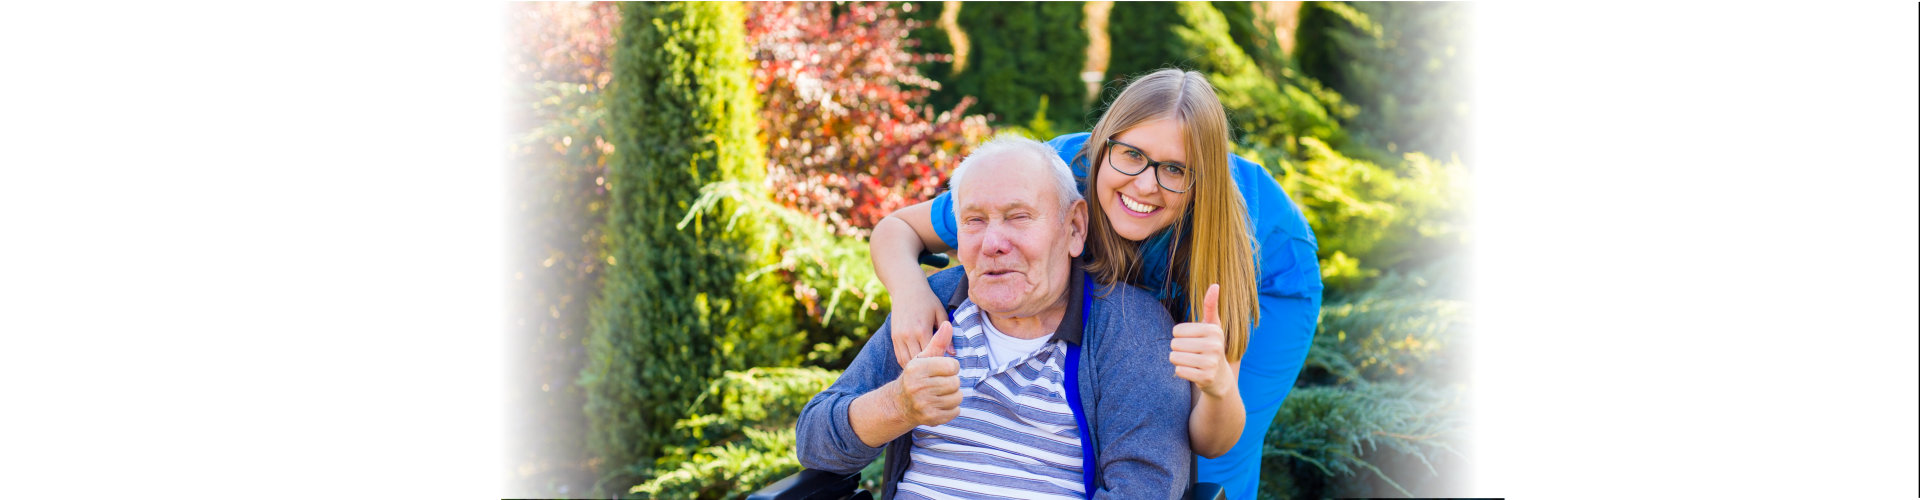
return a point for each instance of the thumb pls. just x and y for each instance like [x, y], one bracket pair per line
[1211, 306]
[941, 343]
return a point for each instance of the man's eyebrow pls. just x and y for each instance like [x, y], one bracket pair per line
[970, 207]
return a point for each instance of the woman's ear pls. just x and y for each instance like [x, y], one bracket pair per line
[1077, 220]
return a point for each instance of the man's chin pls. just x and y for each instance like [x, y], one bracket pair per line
[995, 299]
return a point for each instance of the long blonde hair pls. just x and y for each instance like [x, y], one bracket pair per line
[1219, 247]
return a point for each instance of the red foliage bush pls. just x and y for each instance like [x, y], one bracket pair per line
[849, 137]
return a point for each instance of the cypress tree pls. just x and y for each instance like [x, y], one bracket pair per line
[678, 307]
[1404, 65]
[1020, 51]
[931, 39]
[1142, 42]
[1195, 36]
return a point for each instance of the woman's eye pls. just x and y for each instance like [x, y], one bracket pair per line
[1173, 169]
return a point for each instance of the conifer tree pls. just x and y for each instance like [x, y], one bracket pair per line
[679, 306]
[1020, 51]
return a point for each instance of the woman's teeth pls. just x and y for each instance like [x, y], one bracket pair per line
[1137, 206]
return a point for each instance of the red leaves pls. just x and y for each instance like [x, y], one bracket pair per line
[848, 136]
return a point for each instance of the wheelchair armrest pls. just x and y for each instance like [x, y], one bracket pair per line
[813, 484]
[1206, 491]
[934, 260]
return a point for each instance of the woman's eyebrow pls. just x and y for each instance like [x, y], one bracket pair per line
[1150, 155]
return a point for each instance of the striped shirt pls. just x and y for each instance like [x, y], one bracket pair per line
[1015, 436]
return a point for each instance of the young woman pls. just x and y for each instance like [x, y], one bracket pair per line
[1173, 211]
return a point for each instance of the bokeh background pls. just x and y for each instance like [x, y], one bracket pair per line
[693, 184]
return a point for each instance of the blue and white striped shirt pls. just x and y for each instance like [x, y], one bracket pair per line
[1015, 436]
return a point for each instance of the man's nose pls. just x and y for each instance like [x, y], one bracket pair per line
[994, 242]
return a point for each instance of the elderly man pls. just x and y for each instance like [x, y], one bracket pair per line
[1040, 386]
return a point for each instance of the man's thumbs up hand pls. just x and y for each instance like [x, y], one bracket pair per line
[941, 344]
[930, 383]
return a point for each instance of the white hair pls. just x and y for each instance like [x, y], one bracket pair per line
[1059, 173]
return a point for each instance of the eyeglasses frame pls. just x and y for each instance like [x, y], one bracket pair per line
[1107, 149]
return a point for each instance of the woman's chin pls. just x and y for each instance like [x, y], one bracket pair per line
[1130, 227]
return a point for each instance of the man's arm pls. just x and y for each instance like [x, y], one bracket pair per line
[825, 434]
[844, 428]
[1142, 416]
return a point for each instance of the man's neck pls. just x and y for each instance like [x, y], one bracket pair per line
[1029, 327]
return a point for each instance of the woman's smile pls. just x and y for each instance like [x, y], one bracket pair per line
[1135, 207]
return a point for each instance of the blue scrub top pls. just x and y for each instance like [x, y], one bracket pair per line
[1289, 271]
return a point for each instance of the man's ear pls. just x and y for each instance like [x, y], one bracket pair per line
[1077, 220]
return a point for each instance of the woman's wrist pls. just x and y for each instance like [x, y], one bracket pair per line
[1226, 391]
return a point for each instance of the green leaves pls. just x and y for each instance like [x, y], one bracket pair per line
[680, 307]
[737, 436]
[1325, 433]
[1369, 218]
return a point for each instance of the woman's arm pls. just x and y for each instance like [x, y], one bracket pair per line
[1217, 420]
[1200, 356]
[895, 248]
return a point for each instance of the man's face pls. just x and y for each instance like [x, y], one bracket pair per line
[1015, 242]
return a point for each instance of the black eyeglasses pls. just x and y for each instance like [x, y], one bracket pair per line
[1127, 159]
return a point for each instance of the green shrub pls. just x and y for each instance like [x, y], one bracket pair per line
[1404, 64]
[738, 436]
[831, 275]
[1142, 41]
[1021, 51]
[1369, 218]
[1394, 330]
[1254, 34]
[1325, 435]
[678, 307]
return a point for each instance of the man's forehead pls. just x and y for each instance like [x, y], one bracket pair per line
[1008, 179]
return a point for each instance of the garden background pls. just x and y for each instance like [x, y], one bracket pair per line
[694, 182]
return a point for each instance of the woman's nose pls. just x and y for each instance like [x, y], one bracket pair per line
[1146, 183]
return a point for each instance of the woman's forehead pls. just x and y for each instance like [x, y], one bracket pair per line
[1163, 139]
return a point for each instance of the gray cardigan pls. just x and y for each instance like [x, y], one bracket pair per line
[1126, 391]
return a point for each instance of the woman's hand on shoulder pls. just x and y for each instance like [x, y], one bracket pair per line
[915, 315]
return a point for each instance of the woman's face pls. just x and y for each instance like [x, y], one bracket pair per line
[1136, 205]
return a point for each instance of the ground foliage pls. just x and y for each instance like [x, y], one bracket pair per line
[738, 436]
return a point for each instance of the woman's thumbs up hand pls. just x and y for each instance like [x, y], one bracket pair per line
[1200, 350]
